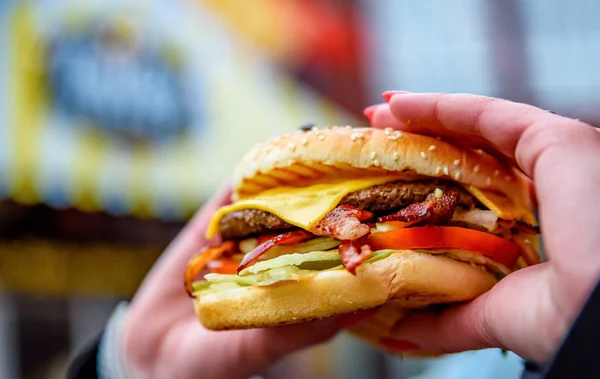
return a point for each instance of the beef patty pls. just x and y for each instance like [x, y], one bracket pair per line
[379, 199]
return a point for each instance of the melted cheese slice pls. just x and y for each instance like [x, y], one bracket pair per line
[301, 207]
[502, 205]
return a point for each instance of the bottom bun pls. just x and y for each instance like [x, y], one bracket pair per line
[405, 279]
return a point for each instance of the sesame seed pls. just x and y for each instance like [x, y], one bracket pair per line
[357, 135]
[398, 134]
[373, 155]
[476, 168]
[407, 122]
[446, 170]
[432, 147]
[478, 151]
[304, 141]
[497, 172]
[291, 146]
[321, 137]
[437, 170]
[315, 129]
[388, 131]
[488, 181]
[526, 240]
[395, 156]
[423, 155]
[457, 175]
[376, 162]
[456, 162]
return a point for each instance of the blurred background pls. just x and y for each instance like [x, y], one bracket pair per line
[118, 119]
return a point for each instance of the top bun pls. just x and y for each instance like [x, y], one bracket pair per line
[302, 158]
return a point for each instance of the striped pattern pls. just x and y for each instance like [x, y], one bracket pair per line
[47, 158]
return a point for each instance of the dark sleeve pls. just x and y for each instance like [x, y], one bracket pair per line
[579, 356]
[84, 366]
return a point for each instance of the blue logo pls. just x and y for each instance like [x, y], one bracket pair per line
[118, 84]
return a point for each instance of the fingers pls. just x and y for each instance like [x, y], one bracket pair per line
[516, 315]
[511, 128]
[189, 349]
[381, 117]
[263, 347]
[459, 328]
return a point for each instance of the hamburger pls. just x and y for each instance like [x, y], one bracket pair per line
[329, 221]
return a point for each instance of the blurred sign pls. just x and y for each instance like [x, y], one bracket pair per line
[111, 77]
[136, 108]
[62, 269]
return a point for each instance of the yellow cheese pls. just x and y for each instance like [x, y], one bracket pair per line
[502, 205]
[305, 206]
[302, 207]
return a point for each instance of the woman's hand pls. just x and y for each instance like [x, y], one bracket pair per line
[162, 338]
[530, 311]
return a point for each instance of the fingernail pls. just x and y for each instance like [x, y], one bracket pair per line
[353, 319]
[399, 345]
[370, 111]
[387, 95]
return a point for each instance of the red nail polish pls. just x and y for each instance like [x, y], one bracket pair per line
[387, 95]
[399, 345]
[370, 111]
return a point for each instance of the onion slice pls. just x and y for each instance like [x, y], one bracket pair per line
[487, 219]
[281, 239]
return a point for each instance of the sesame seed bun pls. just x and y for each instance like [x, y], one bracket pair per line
[304, 157]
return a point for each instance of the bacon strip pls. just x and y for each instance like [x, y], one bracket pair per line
[281, 239]
[343, 223]
[199, 261]
[354, 253]
[432, 211]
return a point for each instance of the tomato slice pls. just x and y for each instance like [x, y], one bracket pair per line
[495, 248]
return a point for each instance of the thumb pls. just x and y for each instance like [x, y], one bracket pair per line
[459, 328]
[518, 314]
